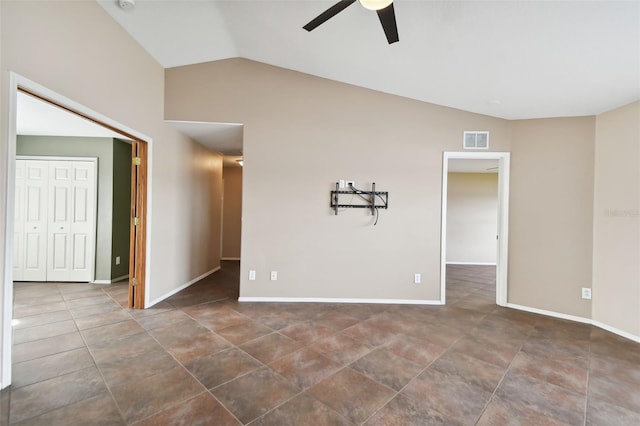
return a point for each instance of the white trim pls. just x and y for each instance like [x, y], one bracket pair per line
[115, 280]
[120, 278]
[616, 331]
[598, 324]
[182, 287]
[338, 300]
[14, 82]
[229, 258]
[548, 313]
[473, 263]
[503, 219]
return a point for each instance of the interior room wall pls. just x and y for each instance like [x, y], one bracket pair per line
[616, 227]
[301, 135]
[77, 50]
[121, 215]
[232, 213]
[102, 148]
[551, 214]
[472, 213]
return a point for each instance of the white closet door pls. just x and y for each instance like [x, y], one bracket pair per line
[59, 223]
[83, 214]
[72, 204]
[33, 221]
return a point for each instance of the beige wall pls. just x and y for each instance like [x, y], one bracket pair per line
[616, 227]
[550, 214]
[232, 213]
[77, 50]
[301, 135]
[472, 217]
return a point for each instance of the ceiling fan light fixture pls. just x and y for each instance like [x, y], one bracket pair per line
[375, 4]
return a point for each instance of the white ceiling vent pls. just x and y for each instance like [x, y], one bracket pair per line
[476, 140]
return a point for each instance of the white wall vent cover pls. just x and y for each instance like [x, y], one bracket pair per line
[476, 140]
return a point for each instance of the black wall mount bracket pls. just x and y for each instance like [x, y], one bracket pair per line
[369, 198]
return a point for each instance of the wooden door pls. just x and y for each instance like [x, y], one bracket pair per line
[34, 221]
[137, 254]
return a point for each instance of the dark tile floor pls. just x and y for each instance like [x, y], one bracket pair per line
[201, 357]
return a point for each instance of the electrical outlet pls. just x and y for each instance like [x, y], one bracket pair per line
[274, 275]
[117, 260]
[417, 278]
[586, 293]
[252, 275]
[341, 184]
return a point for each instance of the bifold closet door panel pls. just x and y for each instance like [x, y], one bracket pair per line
[71, 216]
[30, 244]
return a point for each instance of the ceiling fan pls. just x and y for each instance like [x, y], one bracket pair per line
[384, 8]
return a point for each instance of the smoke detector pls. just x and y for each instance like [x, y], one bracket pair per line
[127, 4]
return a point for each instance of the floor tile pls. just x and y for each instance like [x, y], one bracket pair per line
[449, 395]
[569, 372]
[47, 367]
[341, 348]
[302, 410]
[214, 370]
[25, 311]
[99, 410]
[307, 332]
[336, 320]
[305, 368]
[417, 351]
[41, 319]
[352, 395]
[402, 411]
[137, 367]
[554, 401]
[241, 333]
[252, 395]
[111, 332]
[44, 331]
[503, 412]
[39, 398]
[186, 350]
[199, 411]
[615, 391]
[270, 347]
[603, 413]
[49, 346]
[105, 318]
[138, 399]
[471, 370]
[386, 368]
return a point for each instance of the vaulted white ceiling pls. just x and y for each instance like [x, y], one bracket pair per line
[510, 59]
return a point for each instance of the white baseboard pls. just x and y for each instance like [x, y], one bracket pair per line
[616, 331]
[229, 258]
[472, 263]
[577, 319]
[338, 300]
[182, 287]
[115, 280]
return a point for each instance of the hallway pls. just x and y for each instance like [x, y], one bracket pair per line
[200, 357]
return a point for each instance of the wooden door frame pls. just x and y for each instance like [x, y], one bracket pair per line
[20, 83]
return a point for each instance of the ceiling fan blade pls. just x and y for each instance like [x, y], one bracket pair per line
[328, 14]
[388, 20]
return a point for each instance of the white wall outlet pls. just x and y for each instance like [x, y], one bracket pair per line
[417, 278]
[117, 260]
[274, 275]
[586, 293]
[252, 275]
[351, 183]
[341, 184]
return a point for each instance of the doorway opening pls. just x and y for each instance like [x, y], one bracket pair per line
[140, 201]
[461, 251]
